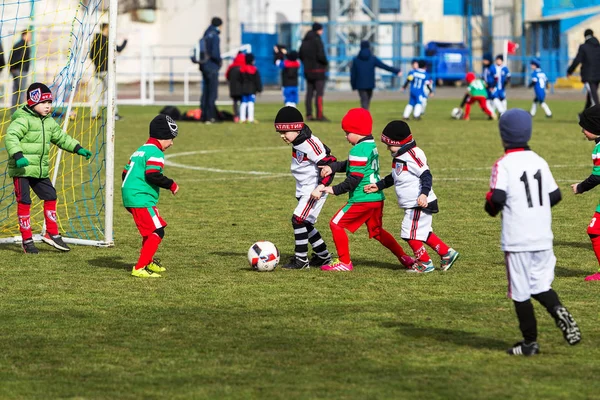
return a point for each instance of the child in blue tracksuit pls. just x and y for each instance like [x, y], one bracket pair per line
[420, 86]
[289, 65]
[488, 79]
[501, 75]
[538, 83]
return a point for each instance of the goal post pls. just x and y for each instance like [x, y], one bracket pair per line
[62, 33]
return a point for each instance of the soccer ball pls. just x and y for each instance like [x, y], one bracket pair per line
[263, 256]
[457, 113]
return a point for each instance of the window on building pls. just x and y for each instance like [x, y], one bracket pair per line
[463, 7]
[386, 6]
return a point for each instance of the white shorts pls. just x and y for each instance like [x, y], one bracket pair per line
[309, 209]
[529, 272]
[416, 224]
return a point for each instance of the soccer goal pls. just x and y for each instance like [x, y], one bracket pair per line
[50, 41]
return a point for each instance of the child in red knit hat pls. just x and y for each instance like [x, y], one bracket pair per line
[362, 168]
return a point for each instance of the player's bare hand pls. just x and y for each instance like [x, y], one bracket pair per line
[317, 193]
[422, 201]
[370, 188]
[325, 170]
[174, 188]
[574, 188]
[431, 94]
[327, 189]
[399, 73]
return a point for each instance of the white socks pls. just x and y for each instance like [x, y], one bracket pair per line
[418, 110]
[544, 107]
[407, 110]
[250, 111]
[243, 111]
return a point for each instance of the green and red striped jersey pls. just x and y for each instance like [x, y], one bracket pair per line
[363, 161]
[136, 190]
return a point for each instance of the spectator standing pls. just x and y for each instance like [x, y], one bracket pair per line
[210, 71]
[362, 74]
[19, 60]
[234, 78]
[99, 56]
[312, 55]
[588, 56]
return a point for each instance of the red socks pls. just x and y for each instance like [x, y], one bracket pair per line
[386, 239]
[436, 243]
[50, 216]
[23, 213]
[596, 246]
[419, 250]
[467, 110]
[340, 238]
[149, 247]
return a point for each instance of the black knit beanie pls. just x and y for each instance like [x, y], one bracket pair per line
[396, 133]
[289, 119]
[37, 93]
[249, 59]
[317, 26]
[292, 55]
[590, 119]
[163, 127]
[216, 21]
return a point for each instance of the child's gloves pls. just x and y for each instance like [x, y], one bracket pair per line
[84, 153]
[22, 162]
[174, 188]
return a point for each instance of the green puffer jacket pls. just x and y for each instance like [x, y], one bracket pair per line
[31, 134]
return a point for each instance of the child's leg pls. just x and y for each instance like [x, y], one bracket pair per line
[310, 213]
[546, 109]
[251, 101]
[23, 206]
[416, 227]
[45, 191]
[467, 109]
[407, 111]
[498, 105]
[236, 109]
[483, 105]
[593, 232]
[350, 217]
[517, 272]
[533, 109]
[151, 227]
[375, 226]
[437, 244]
[316, 241]
[418, 110]
[300, 238]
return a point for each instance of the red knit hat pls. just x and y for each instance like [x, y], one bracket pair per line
[359, 121]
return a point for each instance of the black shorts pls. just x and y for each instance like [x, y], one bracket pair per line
[42, 187]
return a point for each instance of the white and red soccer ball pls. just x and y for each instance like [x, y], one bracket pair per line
[263, 256]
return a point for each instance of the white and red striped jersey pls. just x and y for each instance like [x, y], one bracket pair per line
[406, 171]
[526, 216]
[305, 157]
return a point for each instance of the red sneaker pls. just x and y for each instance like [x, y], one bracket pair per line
[407, 261]
[594, 277]
[337, 265]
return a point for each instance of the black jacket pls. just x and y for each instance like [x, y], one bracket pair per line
[235, 81]
[312, 55]
[99, 52]
[20, 56]
[589, 58]
[2, 62]
[251, 82]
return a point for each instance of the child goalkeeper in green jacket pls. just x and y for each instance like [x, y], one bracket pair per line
[27, 142]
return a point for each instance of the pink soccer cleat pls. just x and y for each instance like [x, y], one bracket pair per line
[407, 261]
[337, 265]
[593, 277]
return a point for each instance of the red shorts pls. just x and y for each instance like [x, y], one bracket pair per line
[353, 215]
[147, 220]
[594, 226]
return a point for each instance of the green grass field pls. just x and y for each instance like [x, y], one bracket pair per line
[77, 325]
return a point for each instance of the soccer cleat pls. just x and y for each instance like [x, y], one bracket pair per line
[55, 241]
[323, 119]
[568, 326]
[423, 267]
[593, 277]
[449, 259]
[156, 266]
[296, 263]
[318, 261]
[29, 247]
[339, 266]
[524, 349]
[144, 273]
[118, 117]
[407, 261]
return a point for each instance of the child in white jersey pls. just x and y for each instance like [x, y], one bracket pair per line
[412, 180]
[523, 188]
[308, 153]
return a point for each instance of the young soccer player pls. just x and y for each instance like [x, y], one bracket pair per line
[308, 153]
[413, 183]
[539, 82]
[476, 93]
[501, 78]
[27, 142]
[523, 189]
[488, 79]
[420, 87]
[142, 180]
[251, 84]
[589, 121]
[289, 65]
[362, 168]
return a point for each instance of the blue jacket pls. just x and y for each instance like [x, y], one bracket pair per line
[213, 43]
[362, 74]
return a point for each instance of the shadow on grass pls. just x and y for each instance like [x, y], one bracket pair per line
[579, 245]
[458, 337]
[566, 272]
[113, 262]
[377, 264]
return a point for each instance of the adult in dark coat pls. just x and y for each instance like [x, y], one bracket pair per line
[312, 55]
[210, 71]
[588, 56]
[18, 64]
[362, 73]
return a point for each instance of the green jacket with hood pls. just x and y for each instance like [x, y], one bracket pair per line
[29, 135]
